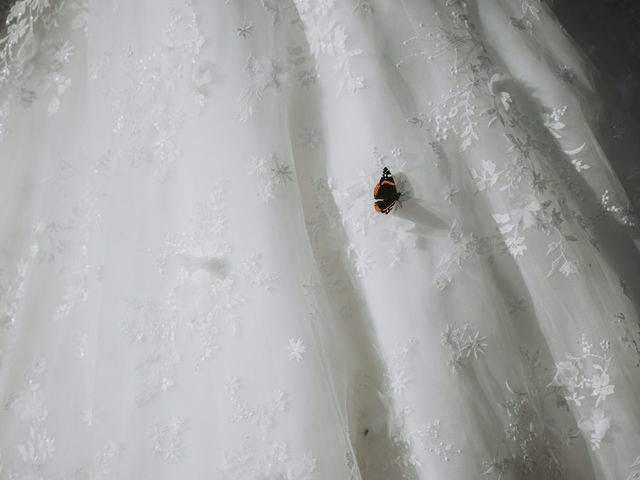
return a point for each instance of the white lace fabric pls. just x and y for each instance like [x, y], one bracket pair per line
[194, 282]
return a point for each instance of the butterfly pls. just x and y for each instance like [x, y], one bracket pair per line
[385, 193]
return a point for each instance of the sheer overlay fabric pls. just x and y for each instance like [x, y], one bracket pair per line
[194, 282]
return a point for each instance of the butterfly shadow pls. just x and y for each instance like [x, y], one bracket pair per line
[411, 208]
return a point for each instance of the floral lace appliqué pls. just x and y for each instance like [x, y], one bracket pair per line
[327, 36]
[35, 65]
[464, 343]
[272, 173]
[167, 439]
[586, 384]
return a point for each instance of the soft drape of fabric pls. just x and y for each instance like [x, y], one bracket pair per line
[194, 283]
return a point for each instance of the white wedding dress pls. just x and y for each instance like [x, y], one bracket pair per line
[194, 283]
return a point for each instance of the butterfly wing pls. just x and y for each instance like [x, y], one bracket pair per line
[383, 206]
[385, 193]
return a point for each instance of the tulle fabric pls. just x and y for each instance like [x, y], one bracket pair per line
[195, 284]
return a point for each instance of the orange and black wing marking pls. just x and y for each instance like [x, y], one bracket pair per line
[385, 193]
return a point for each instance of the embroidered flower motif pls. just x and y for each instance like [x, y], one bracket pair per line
[629, 334]
[281, 173]
[395, 162]
[39, 448]
[569, 267]
[81, 19]
[579, 165]
[29, 404]
[513, 223]
[451, 193]
[167, 439]
[455, 112]
[148, 97]
[429, 437]
[566, 375]
[442, 280]
[463, 343]
[596, 425]
[528, 10]
[529, 7]
[245, 29]
[467, 247]
[296, 349]
[155, 324]
[502, 99]
[310, 138]
[12, 290]
[553, 120]
[263, 416]
[327, 36]
[272, 173]
[532, 443]
[626, 214]
[487, 177]
[34, 65]
[265, 75]
[517, 305]
[306, 70]
[270, 460]
[361, 260]
[397, 376]
[601, 388]
[584, 376]
[255, 274]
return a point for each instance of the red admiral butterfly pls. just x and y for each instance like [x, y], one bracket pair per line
[385, 193]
